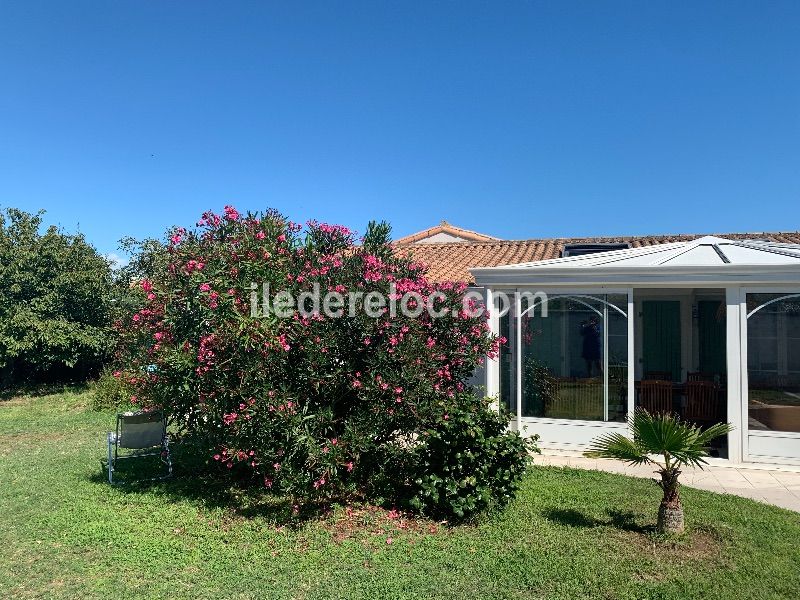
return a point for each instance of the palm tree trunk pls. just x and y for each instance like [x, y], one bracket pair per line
[670, 513]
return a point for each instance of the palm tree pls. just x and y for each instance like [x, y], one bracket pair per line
[677, 442]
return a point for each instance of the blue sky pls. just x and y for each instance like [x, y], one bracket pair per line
[518, 119]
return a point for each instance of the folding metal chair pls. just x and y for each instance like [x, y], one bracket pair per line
[144, 434]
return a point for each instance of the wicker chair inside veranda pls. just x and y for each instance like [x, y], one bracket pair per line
[137, 435]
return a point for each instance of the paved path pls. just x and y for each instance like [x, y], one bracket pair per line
[778, 486]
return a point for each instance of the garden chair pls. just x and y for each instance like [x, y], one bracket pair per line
[658, 376]
[655, 396]
[702, 402]
[700, 376]
[142, 434]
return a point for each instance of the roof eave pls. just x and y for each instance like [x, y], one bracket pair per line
[712, 274]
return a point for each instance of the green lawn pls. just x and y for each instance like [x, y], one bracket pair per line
[570, 534]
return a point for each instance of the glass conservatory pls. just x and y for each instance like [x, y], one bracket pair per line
[707, 329]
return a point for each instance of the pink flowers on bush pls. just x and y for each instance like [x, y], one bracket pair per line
[319, 408]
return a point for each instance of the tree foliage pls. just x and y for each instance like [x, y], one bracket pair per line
[55, 309]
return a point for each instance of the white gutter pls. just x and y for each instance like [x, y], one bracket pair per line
[647, 274]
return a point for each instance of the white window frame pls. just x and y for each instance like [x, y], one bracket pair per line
[790, 436]
[523, 422]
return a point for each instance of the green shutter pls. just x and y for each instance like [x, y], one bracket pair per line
[661, 337]
[711, 325]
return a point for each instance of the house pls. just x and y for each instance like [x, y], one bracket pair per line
[704, 326]
[444, 233]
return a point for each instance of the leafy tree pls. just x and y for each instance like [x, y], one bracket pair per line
[319, 407]
[55, 302]
[677, 442]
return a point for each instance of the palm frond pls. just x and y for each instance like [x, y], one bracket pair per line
[670, 436]
[679, 442]
[619, 447]
[713, 432]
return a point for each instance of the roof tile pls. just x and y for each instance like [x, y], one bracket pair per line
[452, 261]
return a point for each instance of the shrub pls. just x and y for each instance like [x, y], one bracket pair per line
[467, 463]
[55, 310]
[112, 389]
[321, 408]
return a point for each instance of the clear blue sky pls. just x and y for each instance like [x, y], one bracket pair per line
[518, 119]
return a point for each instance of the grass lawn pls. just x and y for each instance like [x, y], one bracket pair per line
[570, 534]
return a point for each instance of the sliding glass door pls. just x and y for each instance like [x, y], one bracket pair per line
[573, 356]
[773, 362]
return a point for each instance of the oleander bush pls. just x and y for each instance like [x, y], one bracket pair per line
[363, 405]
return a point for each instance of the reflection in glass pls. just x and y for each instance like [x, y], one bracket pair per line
[506, 358]
[574, 360]
[773, 361]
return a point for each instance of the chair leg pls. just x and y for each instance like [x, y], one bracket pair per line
[168, 457]
[110, 461]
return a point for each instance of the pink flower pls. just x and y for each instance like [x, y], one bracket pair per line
[117, 374]
[389, 541]
[261, 235]
[281, 238]
[231, 213]
[216, 457]
[204, 287]
[349, 467]
[283, 342]
[146, 285]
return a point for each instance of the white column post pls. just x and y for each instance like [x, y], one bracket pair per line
[734, 335]
[605, 359]
[518, 312]
[493, 364]
[631, 354]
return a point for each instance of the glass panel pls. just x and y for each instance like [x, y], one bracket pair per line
[507, 371]
[617, 358]
[773, 348]
[565, 365]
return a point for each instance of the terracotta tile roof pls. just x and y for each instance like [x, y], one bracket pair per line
[452, 261]
[448, 229]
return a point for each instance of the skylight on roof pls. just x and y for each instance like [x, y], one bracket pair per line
[582, 249]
